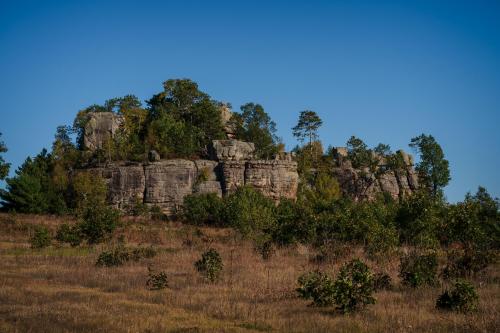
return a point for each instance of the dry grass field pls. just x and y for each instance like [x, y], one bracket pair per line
[59, 288]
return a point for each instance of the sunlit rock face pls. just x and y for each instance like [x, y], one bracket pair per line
[100, 127]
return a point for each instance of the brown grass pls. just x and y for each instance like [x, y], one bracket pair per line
[59, 289]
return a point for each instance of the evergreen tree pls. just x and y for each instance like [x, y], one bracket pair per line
[4, 167]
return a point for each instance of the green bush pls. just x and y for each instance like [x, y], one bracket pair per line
[463, 298]
[353, 287]
[41, 238]
[382, 281]
[157, 281]
[294, 223]
[417, 270]
[120, 255]
[210, 265]
[202, 209]
[97, 222]
[466, 263]
[69, 234]
[250, 212]
[318, 287]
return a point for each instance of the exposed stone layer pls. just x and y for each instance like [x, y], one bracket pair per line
[165, 183]
[100, 127]
[366, 185]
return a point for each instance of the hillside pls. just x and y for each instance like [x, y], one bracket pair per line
[60, 289]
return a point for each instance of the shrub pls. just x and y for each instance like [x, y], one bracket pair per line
[97, 222]
[120, 255]
[41, 238]
[264, 247]
[317, 286]
[157, 214]
[115, 257]
[250, 212]
[157, 281]
[466, 263]
[69, 234]
[203, 209]
[382, 281]
[417, 270]
[353, 287]
[294, 223]
[210, 265]
[463, 298]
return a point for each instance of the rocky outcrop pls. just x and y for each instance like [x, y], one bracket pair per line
[100, 127]
[275, 179]
[168, 182]
[232, 150]
[366, 185]
[126, 184]
[165, 183]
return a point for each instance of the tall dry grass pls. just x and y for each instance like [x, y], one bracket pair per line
[59, 289]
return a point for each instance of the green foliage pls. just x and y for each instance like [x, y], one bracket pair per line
[41, 238]
[433, 168]
[467, 263]
[417, 270]
[31, 190]
[157, 281]
[382, 281]
[294, 223]
[119, 255]
[4, 167]
[97, 223]
[253, 124]
[358, 153]
[419, 218]
[307, 126]
[318, 287]
[203, 209]
[69, 234]
[210, 265]
[250, 212]
[182, 120]
[462, 298]
[353, 287]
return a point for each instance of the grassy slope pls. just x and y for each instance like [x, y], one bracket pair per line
[59, 289]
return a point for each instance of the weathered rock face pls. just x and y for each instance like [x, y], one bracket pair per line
[366, 185]
[100, 127]
[126, 184]
[275, 179]
[168, 182]
[232, 150]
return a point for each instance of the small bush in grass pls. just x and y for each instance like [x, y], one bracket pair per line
[382, 281]
[466, 263]
[318, 287]
[157, 281]
[69, 234]
[417, 270]
[120, 255]
[463, 298]
[210, 265]
[41, 238]
[115, 257]
[97, 222]
[353, 287]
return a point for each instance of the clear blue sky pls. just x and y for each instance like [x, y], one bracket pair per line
[383, 71]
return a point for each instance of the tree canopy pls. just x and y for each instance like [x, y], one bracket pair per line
[4, 166]
[433, 168]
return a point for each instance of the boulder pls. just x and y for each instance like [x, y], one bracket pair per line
[232, 150]
[100, 127]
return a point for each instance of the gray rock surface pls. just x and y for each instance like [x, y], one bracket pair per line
[100, 127]
[232, 150]
[274, 178]
[168, 182]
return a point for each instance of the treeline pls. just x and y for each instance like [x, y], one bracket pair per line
[181, 121]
